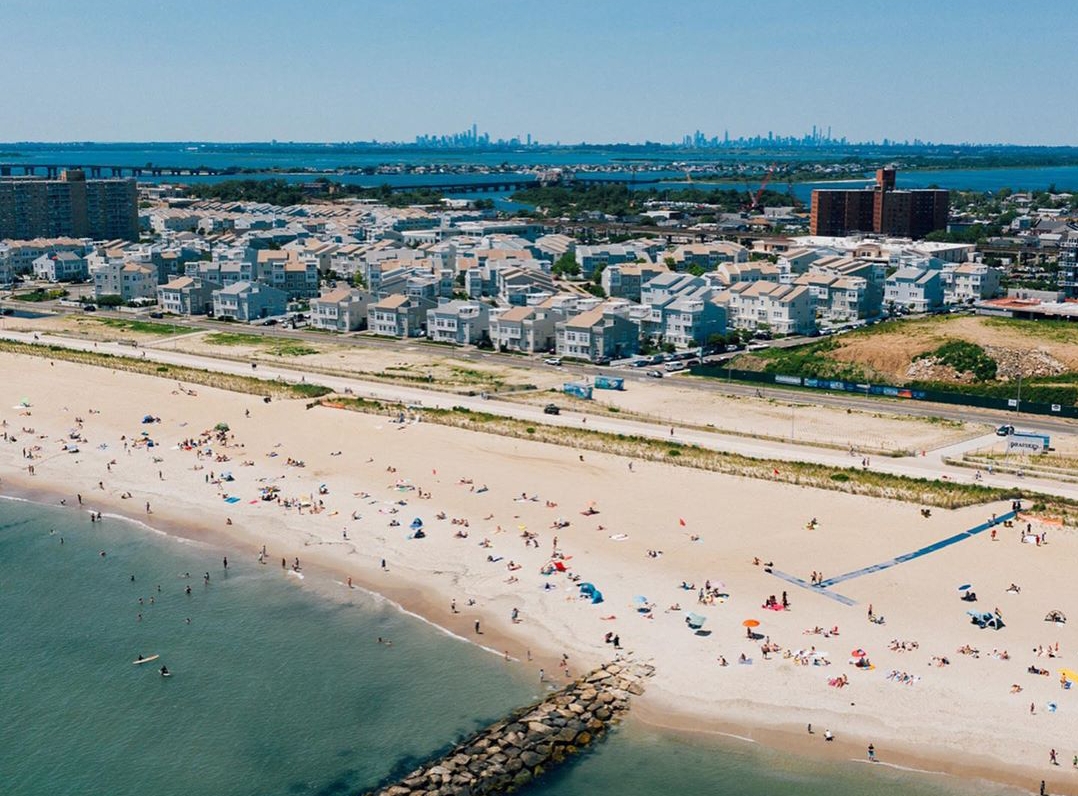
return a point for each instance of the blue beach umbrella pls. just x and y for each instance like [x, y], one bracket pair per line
[417, 524]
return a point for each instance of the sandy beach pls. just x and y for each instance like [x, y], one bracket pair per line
[511, 529]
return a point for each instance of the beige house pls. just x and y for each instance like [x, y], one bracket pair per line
[528, 330]
[342, 309]
[784, 309]
[603, 332]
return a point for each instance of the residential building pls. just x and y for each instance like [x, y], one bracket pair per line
[527, 330]
[970, 282]
[460, 322]
[917, 289]
[689, 320]
[17, 256]
[32, 207]
[285, 271]
[1068, 267]
[625, 280]
[186, 295]
[605, 331]
[129, 281]
[342, 309]
[707, 256]
[781, 309]
[590, 258]
[249, 301]
[60, 267]
[881, 209]
[398, 316]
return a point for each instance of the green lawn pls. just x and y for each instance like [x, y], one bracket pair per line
[233, 338]
[138, 326]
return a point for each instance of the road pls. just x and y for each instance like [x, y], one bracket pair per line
[929, 466]
[579, 371]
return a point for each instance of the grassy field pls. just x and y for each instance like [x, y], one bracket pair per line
[274, 346]
[142, 327]
[982, 356]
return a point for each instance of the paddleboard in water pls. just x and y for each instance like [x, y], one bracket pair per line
[146, 660]
[166, 674]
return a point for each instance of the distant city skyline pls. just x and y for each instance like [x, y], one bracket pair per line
[602, 72]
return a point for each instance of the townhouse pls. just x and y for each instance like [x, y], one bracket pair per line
[342, 309]
[460, 322]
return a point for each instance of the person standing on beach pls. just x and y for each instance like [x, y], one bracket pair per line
[477, 630]
[872, 753]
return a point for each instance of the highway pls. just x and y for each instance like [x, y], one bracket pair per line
[930, 466]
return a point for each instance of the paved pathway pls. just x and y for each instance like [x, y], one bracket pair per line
[823, 586]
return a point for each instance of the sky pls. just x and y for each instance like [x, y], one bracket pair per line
[562, 70]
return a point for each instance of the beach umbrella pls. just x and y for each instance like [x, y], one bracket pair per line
[965, 587]
[417, 524]
[640, 599]
[25, 403]
[1070, 674]
[858, 653]
[221, 427]
[751, 623]
[695, 621]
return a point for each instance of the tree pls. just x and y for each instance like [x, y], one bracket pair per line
[566, 265]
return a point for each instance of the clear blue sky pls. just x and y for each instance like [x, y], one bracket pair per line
[569, 70]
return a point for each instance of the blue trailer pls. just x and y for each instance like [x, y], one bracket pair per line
[577, 389]
[609, 383]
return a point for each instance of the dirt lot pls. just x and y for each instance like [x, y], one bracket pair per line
[665, 400]
[890, 352]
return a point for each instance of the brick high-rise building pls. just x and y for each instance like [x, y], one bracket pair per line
[881, 209]
[71, 206]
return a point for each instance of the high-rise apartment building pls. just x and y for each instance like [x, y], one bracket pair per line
[1068, 267]
[71, 206]
[881, 209]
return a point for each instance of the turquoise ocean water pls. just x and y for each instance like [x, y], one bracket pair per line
[280, 687]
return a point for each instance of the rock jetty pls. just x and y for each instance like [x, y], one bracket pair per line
[513, 752]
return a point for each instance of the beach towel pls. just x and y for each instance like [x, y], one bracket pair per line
[232, 500]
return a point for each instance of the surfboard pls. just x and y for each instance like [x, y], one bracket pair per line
[146, 660]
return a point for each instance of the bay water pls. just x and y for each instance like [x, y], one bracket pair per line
[279, 685]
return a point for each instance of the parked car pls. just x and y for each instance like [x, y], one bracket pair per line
[641, 363]
[655, 374]
[89, 308]
[1004, 431]
[552, 360]
[551, 409]
[157, 315]
[602, 361]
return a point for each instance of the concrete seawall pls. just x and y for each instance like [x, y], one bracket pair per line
[518, 749]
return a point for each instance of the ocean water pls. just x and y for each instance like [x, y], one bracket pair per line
[280, 687]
